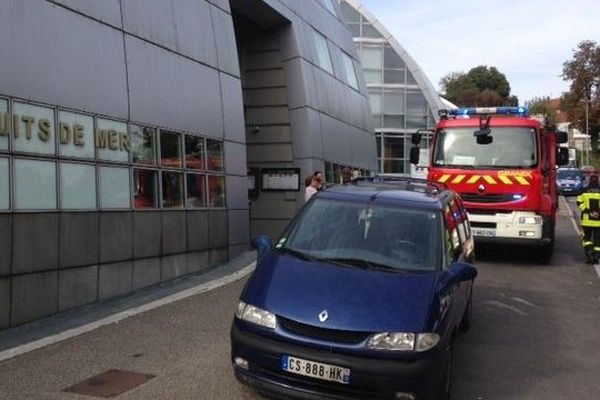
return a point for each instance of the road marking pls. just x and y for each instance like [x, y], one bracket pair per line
[68, 334]
[505, 306]
[597, 268]
[523, 301]
[571, 215]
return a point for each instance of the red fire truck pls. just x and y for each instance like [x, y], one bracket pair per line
[503, 165]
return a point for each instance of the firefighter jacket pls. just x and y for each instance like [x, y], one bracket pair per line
[589, 205]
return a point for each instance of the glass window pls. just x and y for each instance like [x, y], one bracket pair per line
[170, 149]
[76, 135]
[337, 173]
[393, 76]
[145, 188]
[329, 5]
[112, 140]
[391, 59]
[4, 124]
[77, 186]
[371, 58]
[172, 189]
[323, 56]
[369, 31]
[328, 172]
[34, 132]
[215, 155]
[375, 100]
[393, 103]
[349, 14]
[4, 184]
[416, 103]
[196, 191]
[416, 121]
[216, 191]
[410, 79]
[393, 121]
[373, 77]
[143, 145]
[393, 166]
[394, 147]
[114, 187]
[349, 71]
[35, 185]
[194, 152]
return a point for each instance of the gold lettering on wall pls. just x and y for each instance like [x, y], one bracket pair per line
[28, 121]
[44, 129]
[65, 132]
[101, 138]
[113, 143]
[124, 142]
[78, 135]
[16, 126]
[4, 124]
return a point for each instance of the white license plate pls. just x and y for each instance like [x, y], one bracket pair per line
[315, 369]
[485, 232]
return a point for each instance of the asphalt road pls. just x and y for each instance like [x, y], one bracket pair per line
[535, 335]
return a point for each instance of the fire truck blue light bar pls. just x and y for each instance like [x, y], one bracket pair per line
[520, 111]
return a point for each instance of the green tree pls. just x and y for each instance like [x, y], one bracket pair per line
[481, 86]
[541, 105]
[583, 71]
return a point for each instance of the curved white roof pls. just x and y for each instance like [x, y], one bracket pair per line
[431, 95]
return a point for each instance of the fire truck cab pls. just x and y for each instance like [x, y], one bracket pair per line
[503, 165]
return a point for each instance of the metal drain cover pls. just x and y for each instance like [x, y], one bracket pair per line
[109, 384]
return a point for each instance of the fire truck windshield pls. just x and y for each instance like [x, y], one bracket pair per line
[510, 147]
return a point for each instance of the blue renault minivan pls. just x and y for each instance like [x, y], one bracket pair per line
[361, 297]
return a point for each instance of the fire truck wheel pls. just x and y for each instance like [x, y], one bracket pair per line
[546, 251]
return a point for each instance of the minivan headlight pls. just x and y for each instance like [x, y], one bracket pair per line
[403, 341]
[256, 315]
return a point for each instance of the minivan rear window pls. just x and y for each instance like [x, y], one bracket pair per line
[396, 238]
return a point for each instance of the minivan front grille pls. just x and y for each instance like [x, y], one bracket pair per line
[330, 335]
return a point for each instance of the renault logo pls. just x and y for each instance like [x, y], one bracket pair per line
[323, 316]
[481, 188]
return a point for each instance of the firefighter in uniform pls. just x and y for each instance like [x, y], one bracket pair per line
[589, 205]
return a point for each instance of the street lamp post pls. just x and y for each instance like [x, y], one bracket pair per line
[587, 129]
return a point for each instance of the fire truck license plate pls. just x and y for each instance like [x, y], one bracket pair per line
[315, 369]
[485, 232]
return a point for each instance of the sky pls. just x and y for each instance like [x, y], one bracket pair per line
[527, 40]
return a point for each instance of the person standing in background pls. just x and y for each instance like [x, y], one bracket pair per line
[312, 186]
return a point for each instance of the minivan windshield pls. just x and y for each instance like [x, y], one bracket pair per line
[364, 236]
[510, 147]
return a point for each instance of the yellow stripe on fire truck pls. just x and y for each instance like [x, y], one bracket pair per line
[489, 179]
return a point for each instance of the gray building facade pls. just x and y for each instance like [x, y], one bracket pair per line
[131, 131]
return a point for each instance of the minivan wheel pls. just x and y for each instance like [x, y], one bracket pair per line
[465, 323]
[447, 381]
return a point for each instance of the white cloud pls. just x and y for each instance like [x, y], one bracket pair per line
[527, 41]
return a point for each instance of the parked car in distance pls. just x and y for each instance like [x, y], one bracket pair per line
[361, 297]
[570, 181]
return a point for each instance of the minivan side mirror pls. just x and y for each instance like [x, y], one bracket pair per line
[461, 272]
[263, 245]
